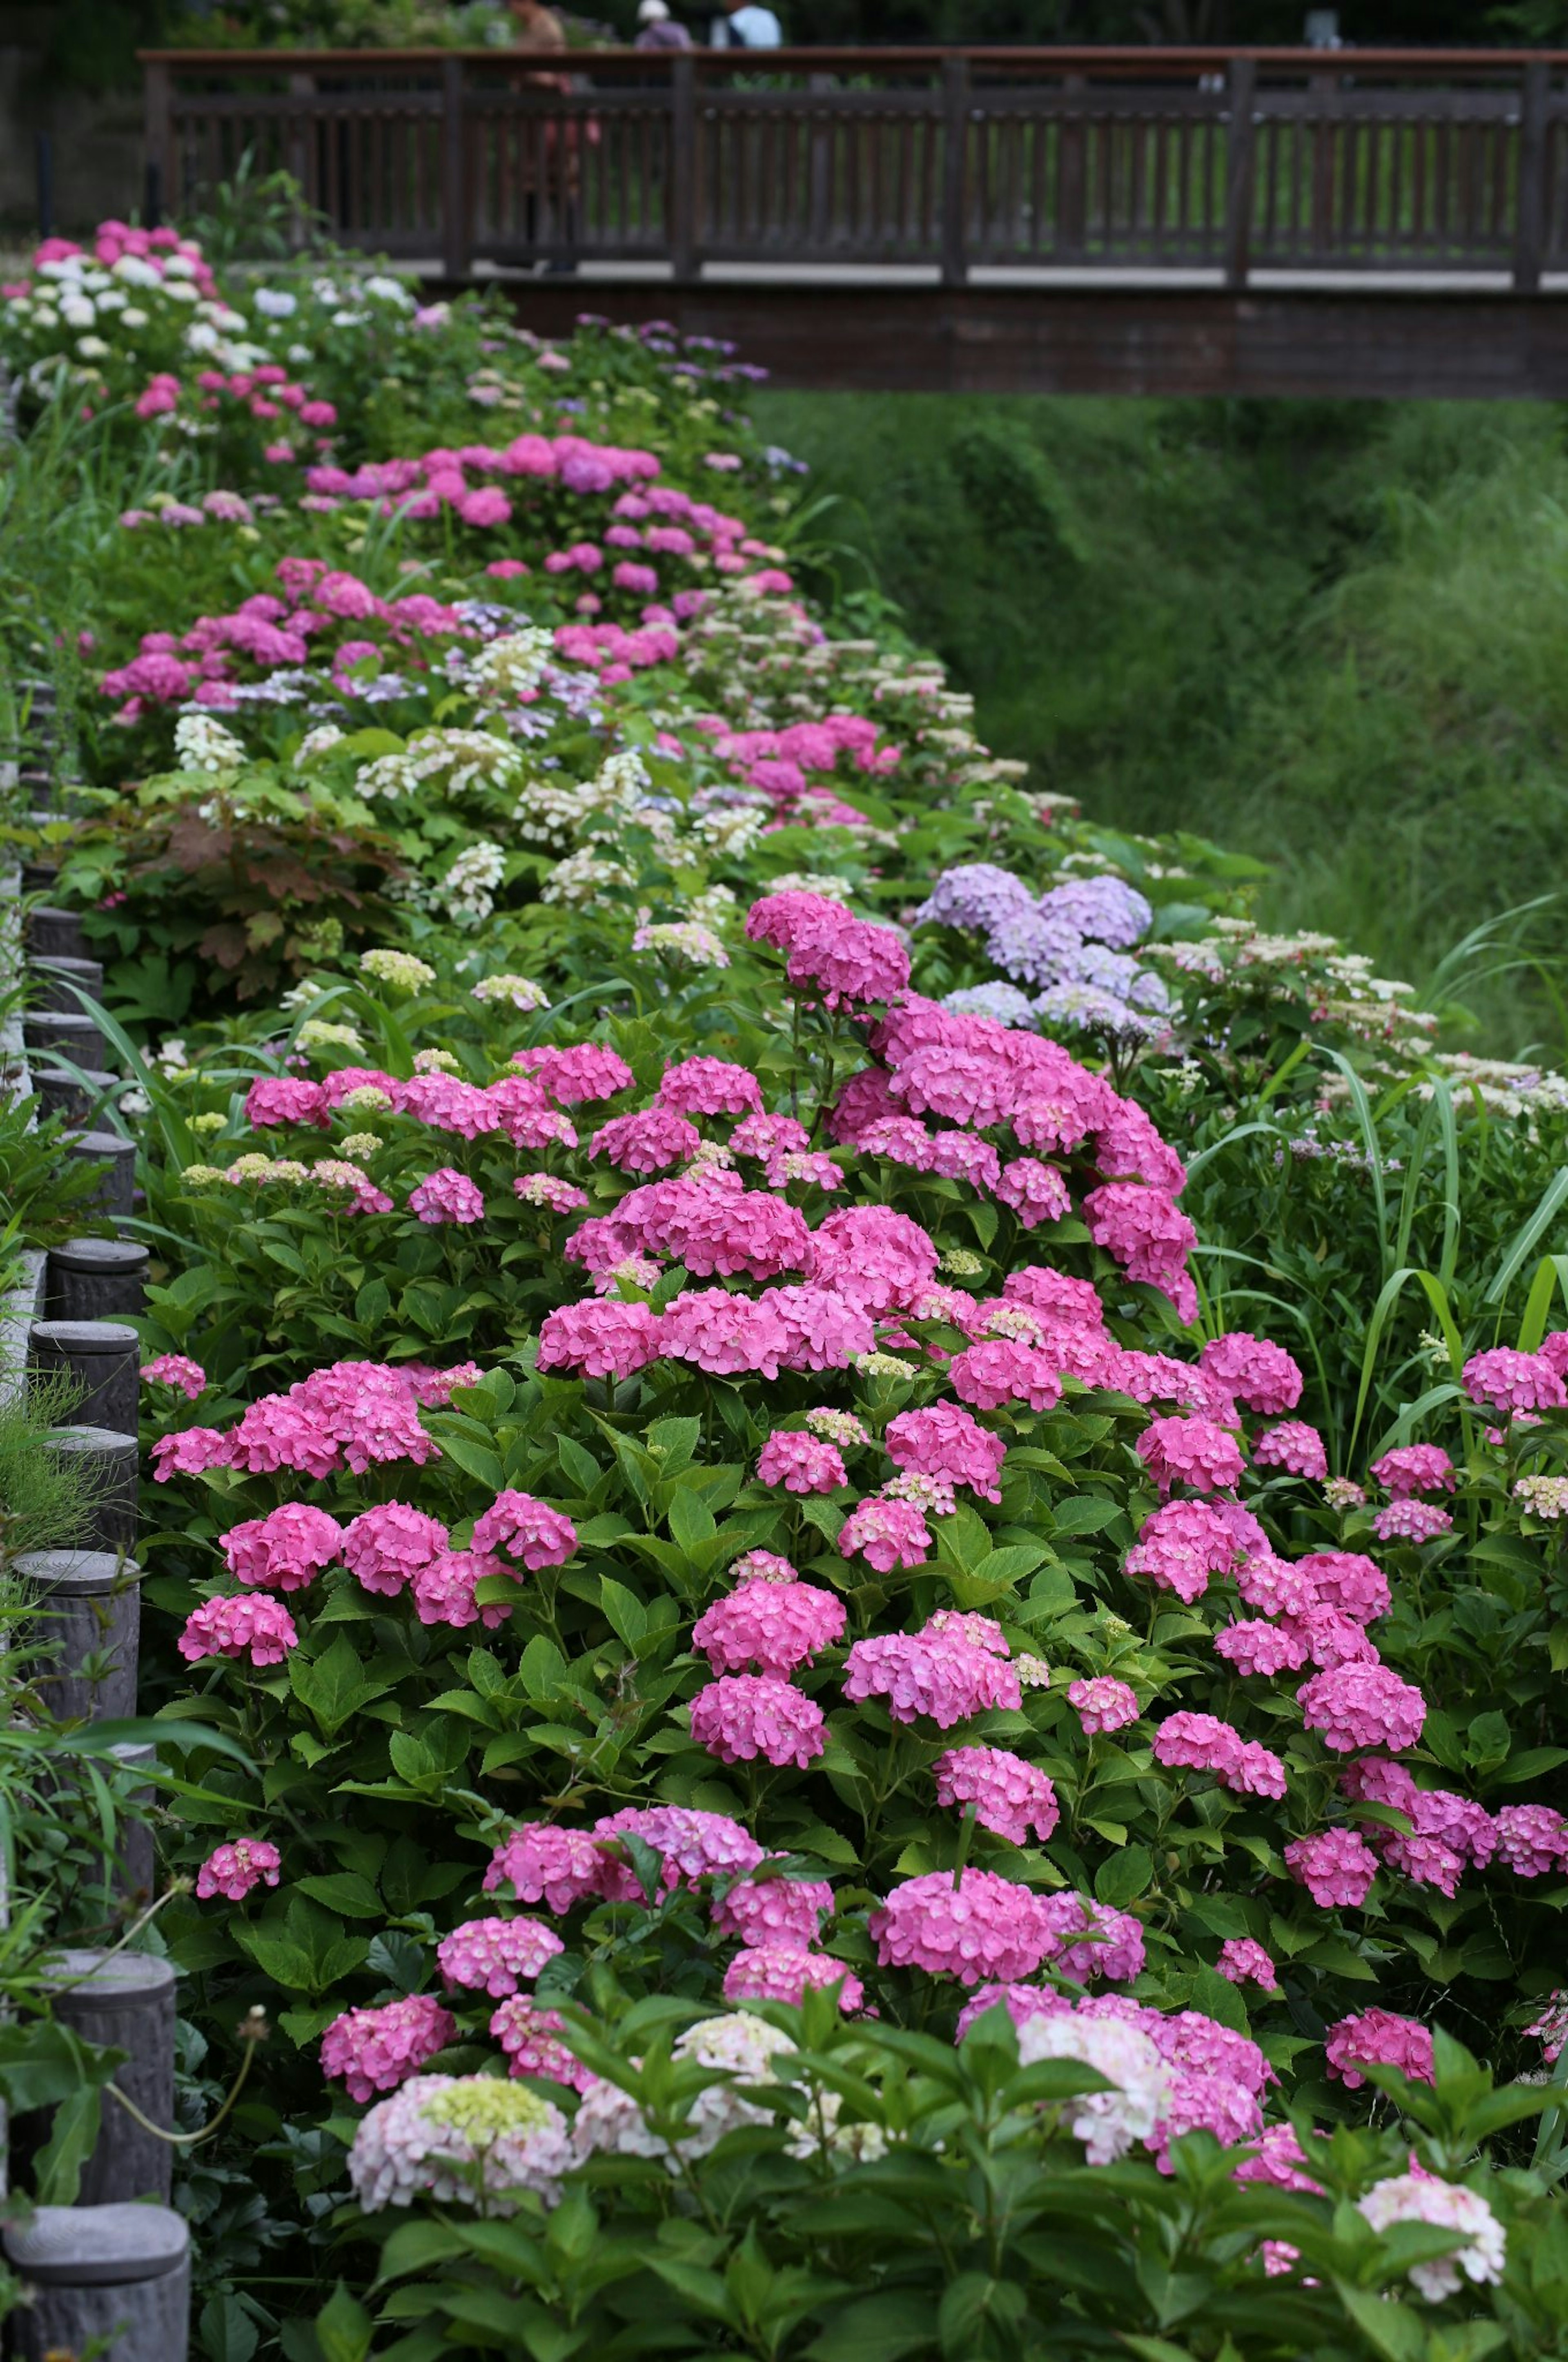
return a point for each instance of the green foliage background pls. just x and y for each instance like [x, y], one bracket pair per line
[1329, 635]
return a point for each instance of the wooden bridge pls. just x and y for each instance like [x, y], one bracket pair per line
[1045, 220]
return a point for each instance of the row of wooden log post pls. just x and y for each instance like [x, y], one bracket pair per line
[110, 2273]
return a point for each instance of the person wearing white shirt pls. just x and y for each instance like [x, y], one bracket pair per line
[744, 26]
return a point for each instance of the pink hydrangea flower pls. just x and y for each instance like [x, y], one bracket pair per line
[584, 1070]
[876, 1256]
[275, 1099]
[531, 2037]
[254, 1625]
[1336, 1867]
[1357, 1705]
[234, 1871]
[1010, 1796]
[651, 1141]
[446, 1196]
[726, 1335]
[374, 2050]
[176, 1370]
[977, 1929]
[848, 959]
[1261, 1376]
[1021, 2002]
[1088, 1941]
[190, 1452]
[886, 1534]
[947, 1444]
[1000, 1370]
[936, 1673]
[443, 1590]
[764, 1566]
[1191, 1452]
[385, 1546]
[496, 1956]
[801, 1463]
[1243, 1962]
[774, 1914]
[1293, 1446]
[1349, 1581]
[1035, 1191]
[285, 1550]
[1377, 2037]
[778, 1973]
[1412, 1521]
[1413, 1468]
[542, 1863]
[774, 1627]
[710, 1086]
[740, 1717]
[600, 1341]
[1531, 1839]
[695, 1845]
[1181, 1545]
[526, 1529]
[1197, 1742]
[1506, 1380]
[1255, 1647]
[1103, 1703]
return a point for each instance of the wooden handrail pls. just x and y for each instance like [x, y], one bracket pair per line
[1107, 58]
[1223, 159]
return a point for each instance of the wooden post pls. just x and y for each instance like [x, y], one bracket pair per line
[100, 1358]
[1529, 234]
[818, 228]
[455, 254]
[955, 173]
[97, 1279]
[108, 2280]
[157, 117]
[1072, 187]
[1242, 149]
[684, 167]
[124, 2000]
[88, 1603]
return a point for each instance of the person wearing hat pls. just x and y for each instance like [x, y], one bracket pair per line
[744, 26]
[659, 28]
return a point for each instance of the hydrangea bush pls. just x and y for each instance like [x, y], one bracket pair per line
[861, 1739]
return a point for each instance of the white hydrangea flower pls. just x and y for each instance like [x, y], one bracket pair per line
[522, 991]
[202, 743]
[1421, 2198]
[468, 887]
[1107, 2123]
[400, 968]
[454, 2138]
[512, 664]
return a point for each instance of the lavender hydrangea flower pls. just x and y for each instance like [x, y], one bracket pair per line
[1105, 909]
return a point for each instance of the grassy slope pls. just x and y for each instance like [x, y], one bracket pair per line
[1332, 634]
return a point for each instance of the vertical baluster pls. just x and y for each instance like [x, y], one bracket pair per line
[1241, 155]
[955, 168]
[680, 175]
[1530, 236]
[454, 191]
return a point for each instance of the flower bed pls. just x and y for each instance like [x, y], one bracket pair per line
[848, 1755]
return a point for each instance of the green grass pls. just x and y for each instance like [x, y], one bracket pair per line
[1331, 634]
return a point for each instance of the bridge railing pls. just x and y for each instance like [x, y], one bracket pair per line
[1104, 160]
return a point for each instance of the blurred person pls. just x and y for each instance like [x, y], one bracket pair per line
[659, 28]
[535, 27]
[745, 26]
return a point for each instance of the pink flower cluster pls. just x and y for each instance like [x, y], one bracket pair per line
[176, 1370]
[1361, 1705]
[373, 2051]
[1192, 1452]
[519, 1526]
[236, 1870]
[285, 1551]
[939, 1673]
[947, 1444]
[354, 1414]
[1261, 1376]
[787, 1972]
[846, 959]
[496, 1956]
[1377, 2037]
[775, 1627]
[740, 1717]
[1202, 1742]
[1181, 1545]
[1103, 1703]
[258, 1629]
[1413, 1468]
[1509, 1382]
[1009, 1797]
[801, 1463]
[975, 1928]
